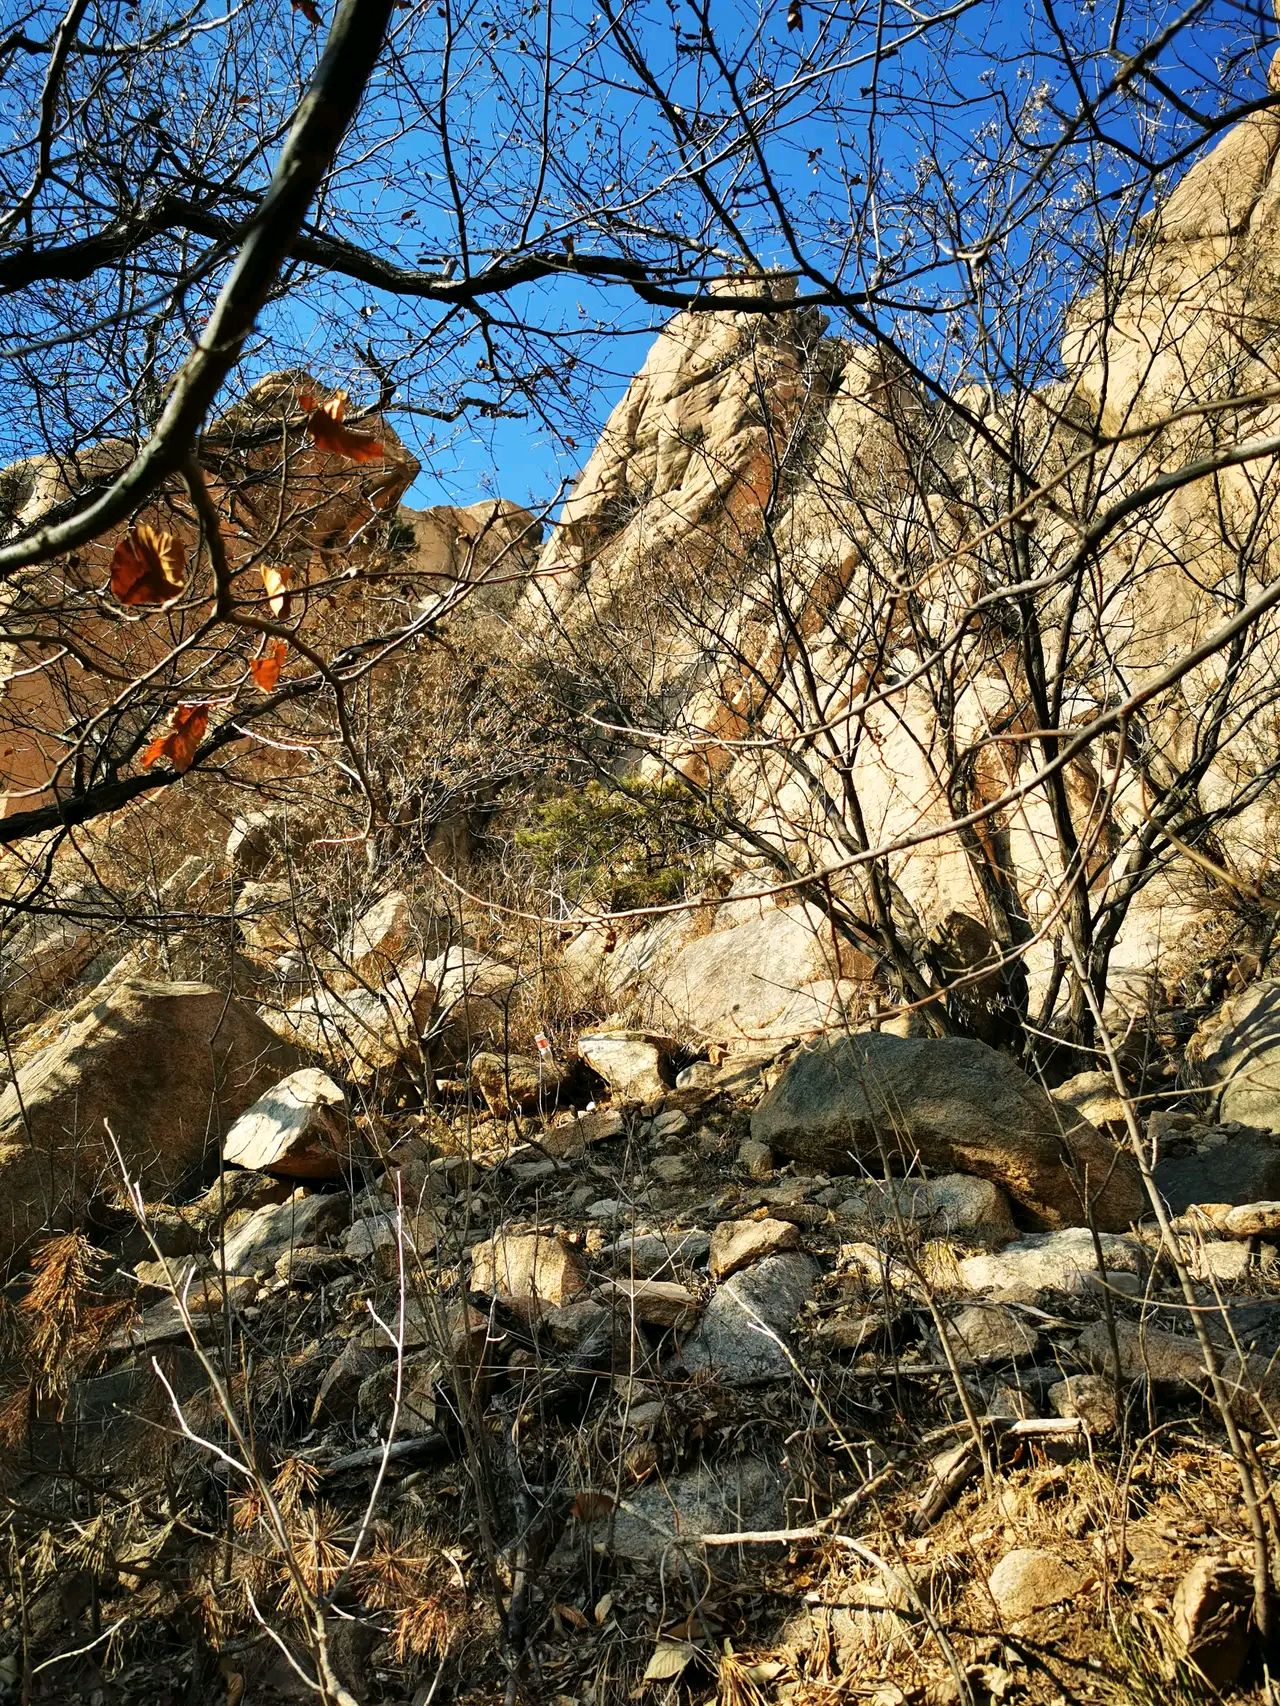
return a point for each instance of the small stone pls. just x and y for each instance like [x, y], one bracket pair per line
[650, 1255]
[742, 1338]
[1011, 1401]
[529, 1271]
[310, 1266]
[872, 1271]
[658, 1303]
[737, 1243]
[700, 1076]
[954, 1205]
[422, 1378]
[673, 1123]
[1030, 1579]
[377, 1238]
[572, 1325]
[253, 842]
[1211, 1606]
[339, 1392]
[515, 1083]
[632, 1063]
[1219, 1170]
[1088, 1397]
[991, 1333]
[852, 1331]
[454, 1330]
[574, 1136]
[1253, 1220]
[670, 1169]
[1094, 1096]
[755, 1158]
[667, 1519]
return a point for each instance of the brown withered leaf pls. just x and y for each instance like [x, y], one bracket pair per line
[184, 736]
[148, 567]
[309, 10]
[265, 668]
[324, 423]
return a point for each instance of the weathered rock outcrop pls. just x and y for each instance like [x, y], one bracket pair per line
[871, 575]
[950, 1106]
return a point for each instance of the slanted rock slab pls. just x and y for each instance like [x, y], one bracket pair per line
[255, 1240]
[951, 1105]
[658, 1303]
[168, 1067]
[299, 1129]
[1236, 1055]
[742, 1338]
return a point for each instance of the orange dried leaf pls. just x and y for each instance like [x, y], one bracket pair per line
[324, 423]
[589, 1507]
[148, 567]
[184, 736]
[265, 669]
[276, 579]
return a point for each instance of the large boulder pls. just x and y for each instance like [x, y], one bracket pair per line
[1236, 1057]
[777, 974]
[365, 1031]
[950, 1105]
[163, 1069]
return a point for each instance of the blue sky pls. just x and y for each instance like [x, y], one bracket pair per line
[519, 168]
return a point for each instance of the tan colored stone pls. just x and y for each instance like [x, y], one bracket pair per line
[656, 1302]
[1212, 1604]
[1253, 1220]
[515, 1082]
[528, 1271]
[737, 1243]
[1031, 1579]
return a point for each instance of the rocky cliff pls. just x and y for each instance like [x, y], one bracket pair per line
[634, 1218]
